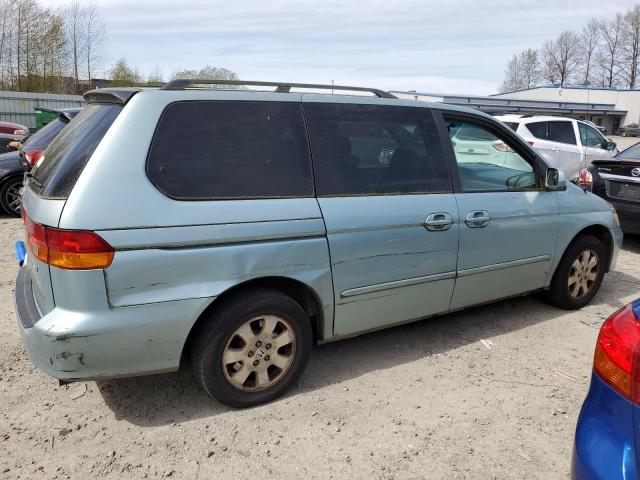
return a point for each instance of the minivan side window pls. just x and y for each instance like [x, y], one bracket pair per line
[562, 132]
[589, 136]
[486, 158]
[375, 150]
[208, 150]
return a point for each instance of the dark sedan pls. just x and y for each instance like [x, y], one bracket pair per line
[14, 164]
[631, 130]
[617, 180]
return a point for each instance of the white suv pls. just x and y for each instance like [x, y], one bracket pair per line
[556, 139]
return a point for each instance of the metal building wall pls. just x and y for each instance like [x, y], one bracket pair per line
[19, 107]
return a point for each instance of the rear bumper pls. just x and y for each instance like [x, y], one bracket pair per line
[629, 216]
[604, 443]
[114, 342]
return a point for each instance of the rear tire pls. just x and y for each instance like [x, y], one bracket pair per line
[252, 349]
[9, 195]
[579, 273]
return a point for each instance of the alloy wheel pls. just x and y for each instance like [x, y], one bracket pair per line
[583, 274]
[259, 353]
[12, 197]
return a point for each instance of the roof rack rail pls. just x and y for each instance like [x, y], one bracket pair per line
[282, 87]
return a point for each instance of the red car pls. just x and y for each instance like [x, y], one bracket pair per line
[10, 127]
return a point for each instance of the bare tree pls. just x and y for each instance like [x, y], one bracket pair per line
[530, 68]
[560, 57]
[609, 52]
[523, 71]
[95, 34]
[589, 40]
[630, 46]
[74, 16]
[512, 77]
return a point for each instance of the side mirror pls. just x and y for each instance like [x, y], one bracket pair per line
[609, 145]
[555, 180]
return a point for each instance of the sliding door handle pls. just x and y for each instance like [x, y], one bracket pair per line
[438, 222]
[477, 219]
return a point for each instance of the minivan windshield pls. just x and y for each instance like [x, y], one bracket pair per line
[57, 172]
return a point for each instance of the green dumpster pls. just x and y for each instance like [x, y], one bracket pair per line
[44, 116]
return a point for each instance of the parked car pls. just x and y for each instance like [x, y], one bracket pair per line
[33, 149]
[10, 143]
[618, 181]
[631, 130]
[14, 164]
[10, 127]
[236, 227]
[608, 428]
[566, 143]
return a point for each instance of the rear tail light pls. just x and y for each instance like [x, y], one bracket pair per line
[33, 156]
[585, 179]
[502, 147]
[530, 142]
[67, 249]
[616, 355]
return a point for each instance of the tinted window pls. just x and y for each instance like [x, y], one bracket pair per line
[488, 161]
[589, 136]
[4, 145]
[561, 132]
[223, 150]
[631, 152]
[538, 129]
[55, 175]
[512, 125]
[375, 149]
[46, 134]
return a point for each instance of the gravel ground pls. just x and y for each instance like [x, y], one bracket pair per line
[493, 392]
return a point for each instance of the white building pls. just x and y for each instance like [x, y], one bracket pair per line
[611, 108]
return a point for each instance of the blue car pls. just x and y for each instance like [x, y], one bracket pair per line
[608, 427]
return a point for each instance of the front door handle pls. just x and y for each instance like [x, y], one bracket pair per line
[477, 219]
[438, 222]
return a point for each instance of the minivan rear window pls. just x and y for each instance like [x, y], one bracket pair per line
[65, 158]
[210, 150]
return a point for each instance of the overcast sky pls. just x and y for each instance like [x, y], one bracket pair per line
[447, 46]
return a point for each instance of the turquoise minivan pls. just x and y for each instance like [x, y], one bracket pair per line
[235, 228]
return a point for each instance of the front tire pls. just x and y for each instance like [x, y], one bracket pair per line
[252, 349]
[579, 274]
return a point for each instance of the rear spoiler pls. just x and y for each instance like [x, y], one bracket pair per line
[110, 95]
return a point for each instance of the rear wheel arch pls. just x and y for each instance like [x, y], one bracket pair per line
[300, 292]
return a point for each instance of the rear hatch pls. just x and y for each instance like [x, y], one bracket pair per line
[53, 177]
[619, 180]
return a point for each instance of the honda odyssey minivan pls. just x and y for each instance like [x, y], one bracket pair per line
[237, 227]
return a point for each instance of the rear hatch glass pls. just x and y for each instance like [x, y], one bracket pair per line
[512, 125]
[57, 172]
